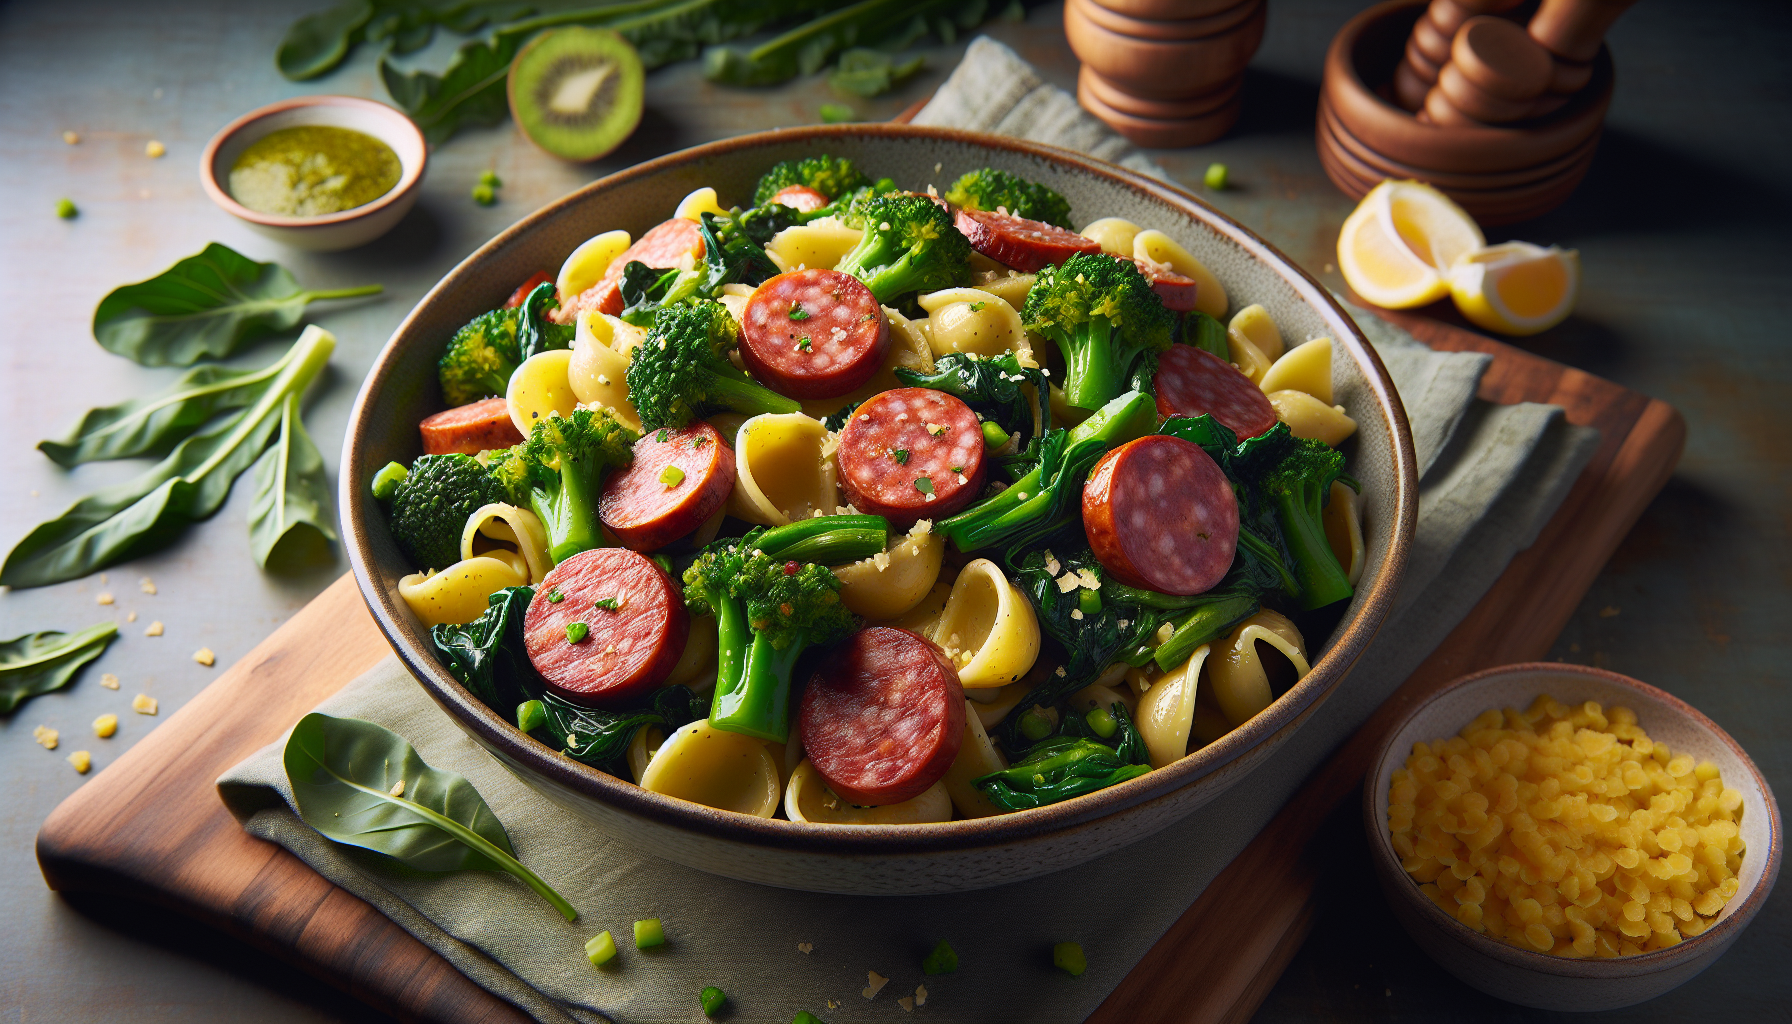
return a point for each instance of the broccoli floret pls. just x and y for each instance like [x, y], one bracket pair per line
[431, 505]
[682, 373]
[990, 189]
[1105, 319]
[996, 389]
[564, 462]
[772, 600]
[831, 176]
[909, 245]
[480, 358]
[1297, 485]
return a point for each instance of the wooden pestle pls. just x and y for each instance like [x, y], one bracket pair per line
[1496, 74]
[1428, 48]
[1572, 30]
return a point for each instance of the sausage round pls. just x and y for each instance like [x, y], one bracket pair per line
[1160, 514]
[470, 429]
[628, 650]
[1194, 382]
[883, 718]
[912, 453]
[814, 333]
[801, 198]
[663, 247]
[1176, 291]
[1025, 245]
[647, 506]
[539, 278]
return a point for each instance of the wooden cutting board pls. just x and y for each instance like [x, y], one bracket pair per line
[151, 828]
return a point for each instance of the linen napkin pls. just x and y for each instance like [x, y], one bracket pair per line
[1492, 475]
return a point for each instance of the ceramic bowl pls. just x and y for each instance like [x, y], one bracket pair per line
[1539, 979]
[401, 389]
[333, 231]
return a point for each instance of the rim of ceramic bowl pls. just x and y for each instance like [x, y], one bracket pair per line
[1289, 710]
[1375, 817]
[408, 180]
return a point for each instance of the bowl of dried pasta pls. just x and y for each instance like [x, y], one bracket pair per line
[1569, 838]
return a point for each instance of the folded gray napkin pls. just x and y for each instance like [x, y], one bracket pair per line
[1492, 475]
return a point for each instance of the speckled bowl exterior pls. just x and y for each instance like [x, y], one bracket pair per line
[1539, 979]
[950, 856]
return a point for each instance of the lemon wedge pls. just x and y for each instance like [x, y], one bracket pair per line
[1516, 287]
[1396, 249]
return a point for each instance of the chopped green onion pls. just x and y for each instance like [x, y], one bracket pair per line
[608, 604]
[1101, 723]
[1068, 957]
[664, 563]
[484, 195]
[1036, 723]
[803, 343]
[490, 178]
[576, 631]
[977, 307]
[1215, 179]
[648, 933]
[901, 456]
[555, 596]
[924, 484]
[671, 476]
[941, 961]
[711, 1000]
[662, 435]
[65, 208]
[386, 481]
[993, 436]
[1089, 601]
[531, 715]
[601, 949]
[835, 113]
[797, 312]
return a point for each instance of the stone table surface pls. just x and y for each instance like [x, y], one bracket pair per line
[1681, 225]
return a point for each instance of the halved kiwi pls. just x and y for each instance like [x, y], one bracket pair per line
[577, 92]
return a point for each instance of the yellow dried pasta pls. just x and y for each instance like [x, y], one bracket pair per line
[1566, 830]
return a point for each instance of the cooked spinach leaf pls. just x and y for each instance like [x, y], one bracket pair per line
[487, 655]
[41, 662]
[1069, 764]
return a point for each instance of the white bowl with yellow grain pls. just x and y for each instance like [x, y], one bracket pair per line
[1634, 845]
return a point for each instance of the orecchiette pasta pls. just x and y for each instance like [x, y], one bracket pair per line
[977, 757]
[972, 320]
[540, 388]
[1257, 326]
[1154, 245]
[821, 243]
[1113, 235]
[1344, 530]
[696, 666]
[458, 593]
[992, 706]
[698, 203]
[988, 629]
[705, 765]
[782, 472]
[598, 367]
[925, 615]
[896, 579]
[1236, 672]
[808, 799]
[516, 526]
[586, 266]
[1104, 696]
[1306, 368]
[1245, 355]
[1167, 710]
[1307, 416]
[734, 299]
[1011, 286]
[647, 742]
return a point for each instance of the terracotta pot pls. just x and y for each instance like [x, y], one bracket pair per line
[1167, 10]
[1165, 70]
[1164, 30]
[1110, 95]
[1380, 164]
[1165, 133]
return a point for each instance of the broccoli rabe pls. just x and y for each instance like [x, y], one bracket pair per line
[772, 597]
[909, 245]
[480, 358]
[431, 504]
[681, 371]
[559, 474]
[1069, 764]
[535, 333]
[730, 256]
[990, 189]
[833, 177]
[1105, 319]
[1295, 475]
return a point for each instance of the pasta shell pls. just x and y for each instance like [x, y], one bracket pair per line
[820, 243]
[726, 770]
[926, 615]
[1240, 684]
[988, 628]
[992, 706]
[782, 473]
[1344, 530]
[1113, 235]
[896, 579]
[1255, 323]
[647, 742]
[1305, 367]
[458, 593]
[1308, 417]
[539, 388]
[1167, 710]
[974, 321]
[698, 203]
[586, 266]
[696, 666]
[808, 799]
[516, 526]
[977, 757]
[598, 367]
[1011, 286]
[1154, 245]
[1244, 354]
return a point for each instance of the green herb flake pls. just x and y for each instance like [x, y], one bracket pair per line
[924, 484]
[797, 312]
[65, 208]
[662, 435]
[901, 456]
[576, 632]
[671, 476]
[600, 949]
[957, 469]
[555, 596]
[977, 307]
[607, 604]
[803, 343]
[649, 933]
[943, 960]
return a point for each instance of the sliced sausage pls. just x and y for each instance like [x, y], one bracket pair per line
[1193, 382]
[912, 453]
[801, 198]
[635, 627]
[1160, 514]
[883, 718]
[471, 429]
[1176, 291]
[679, 479]
[664, 247]
[540, 278]
[1025, 245]
[814, 333]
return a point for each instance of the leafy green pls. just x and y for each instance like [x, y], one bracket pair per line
[868, 73]
[1065, 766]
[153, 425]
[363, 785]
[535, 333]
[144, 514]
[998, 390]
[1206, 334]
[41, 662]
[488, 655]
[600, 738]
[210, 304]
[291, 491]
[807, 48]
[317, 43]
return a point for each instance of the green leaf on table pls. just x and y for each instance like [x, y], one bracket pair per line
[291, 491]
[360, 784]
[317, 43]
[147, 513]
[154, 424]
[41, 662]
[869, 73]
[208, 305]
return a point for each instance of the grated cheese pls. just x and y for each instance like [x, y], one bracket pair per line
[1067, 583]
[1089, 579]
[920, 995]
[875, 984]
[805, 947]
[1077, 614]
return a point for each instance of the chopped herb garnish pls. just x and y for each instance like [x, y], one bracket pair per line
[671, 476]
[711, 999]
[576, 632]
[943, 960]
[957, 469]
[797, 312]
[649, 933]
[977, 307]
[555, 596]
[610, 604]
[901, 456]
[803, 343]
[662, 435]
[924, 484]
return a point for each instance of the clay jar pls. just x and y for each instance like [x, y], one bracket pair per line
[1165, 60]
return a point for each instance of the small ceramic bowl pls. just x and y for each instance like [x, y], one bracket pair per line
[332, 231]
[1539, 979]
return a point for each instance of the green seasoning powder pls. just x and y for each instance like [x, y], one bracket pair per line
[313, 170]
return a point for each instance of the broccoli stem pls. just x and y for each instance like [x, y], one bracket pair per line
[733, 634]
[570, 515]
[1092, 373]
[759, 705]
[828, 540]
[1204, 625]
[1322, 579]
[748, 398]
